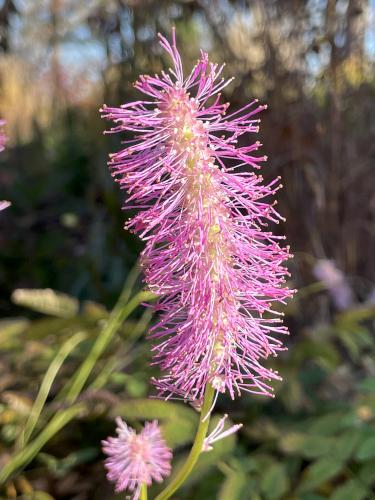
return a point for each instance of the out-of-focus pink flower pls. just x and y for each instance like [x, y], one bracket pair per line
[136, 459]
[3, 137]
[371, 297]
[336, 283]
[209, 253]
[4, 204]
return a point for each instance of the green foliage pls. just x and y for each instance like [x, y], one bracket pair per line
[351, 490]
[64, 376]
[178, 422]
[234, 485]
[315, 441]
[47, 302]
[320, 472]
[274, 482]
[366, 450]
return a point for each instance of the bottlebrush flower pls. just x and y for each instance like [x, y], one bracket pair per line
[136, 459]
[209, 254]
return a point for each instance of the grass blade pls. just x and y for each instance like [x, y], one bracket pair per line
[46, 385]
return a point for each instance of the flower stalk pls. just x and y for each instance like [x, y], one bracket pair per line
[196, 449]
[143, 493]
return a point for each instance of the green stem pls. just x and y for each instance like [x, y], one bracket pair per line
[26, 455]
[143, 495]
[196, 450]
[115, 320]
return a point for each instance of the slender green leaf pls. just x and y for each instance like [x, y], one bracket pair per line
[24, 456]
[46, 385]
[115, 320]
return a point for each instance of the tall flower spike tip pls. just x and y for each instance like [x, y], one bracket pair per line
[136, 459]
[209, 254]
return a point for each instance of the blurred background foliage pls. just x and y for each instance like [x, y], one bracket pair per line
[64, 257]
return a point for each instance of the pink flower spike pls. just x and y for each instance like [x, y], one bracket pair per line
[203, 215]
[218, 433]
[136, 459]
